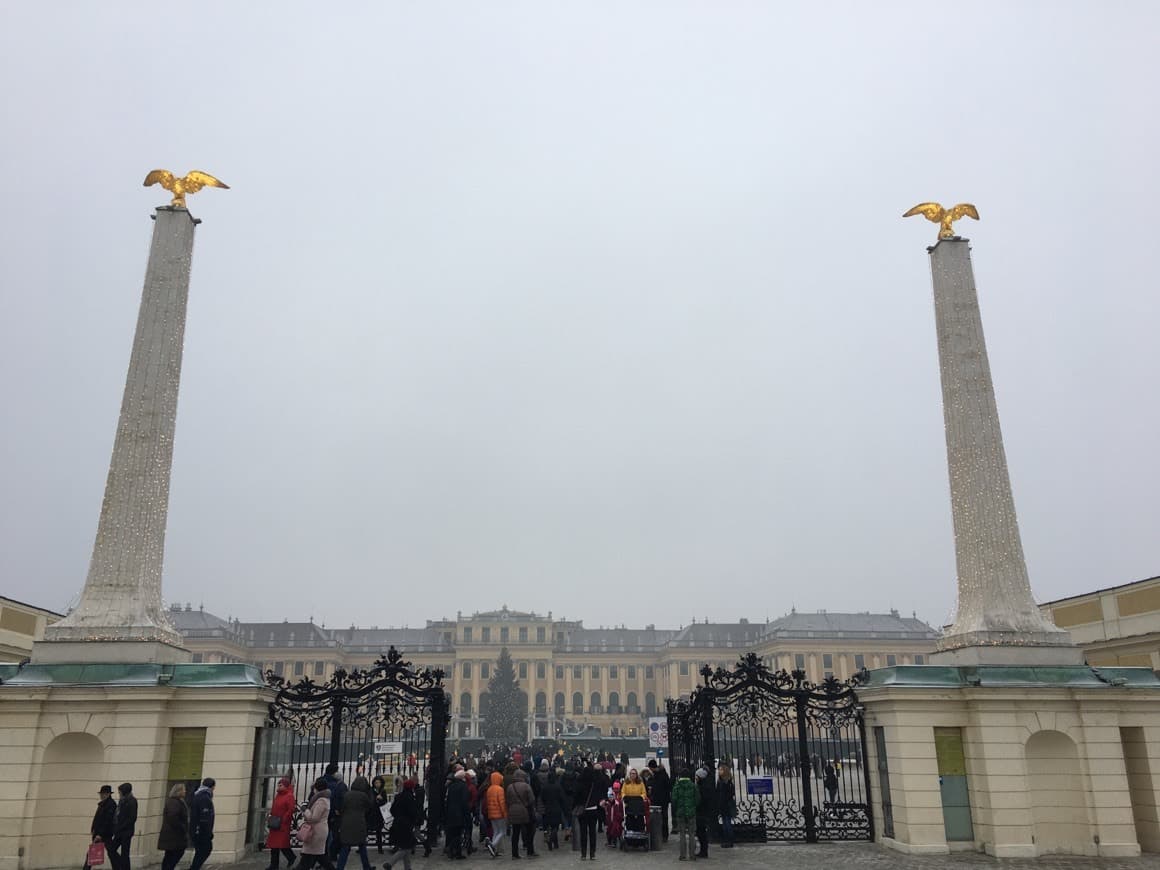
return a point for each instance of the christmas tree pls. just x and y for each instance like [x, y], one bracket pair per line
[507, 705]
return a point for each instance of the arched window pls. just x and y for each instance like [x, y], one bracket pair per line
[465, 704]
[594, 703]
[559, 702]
[650, 704]
[577, 702]
[541, 703]
[613, 702]
[632, 707]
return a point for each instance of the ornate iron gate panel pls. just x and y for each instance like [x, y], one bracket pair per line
[390, 719]
[797, 750]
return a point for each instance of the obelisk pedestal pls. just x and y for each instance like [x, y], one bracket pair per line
[997, 621]
[120, 617]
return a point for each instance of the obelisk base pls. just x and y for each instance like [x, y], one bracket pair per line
[108, 652]
[1003, 649]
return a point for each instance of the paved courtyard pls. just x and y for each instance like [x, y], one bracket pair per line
[823, 856]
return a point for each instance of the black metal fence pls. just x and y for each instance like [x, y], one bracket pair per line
[389, 720]
[797, 750]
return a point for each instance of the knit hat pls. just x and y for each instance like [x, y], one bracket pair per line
[544, 764]
[702, 773]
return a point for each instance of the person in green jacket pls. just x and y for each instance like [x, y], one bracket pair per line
[685, 800]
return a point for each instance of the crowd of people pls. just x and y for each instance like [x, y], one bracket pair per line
[529, 800]
[182, 824]
[504, 794]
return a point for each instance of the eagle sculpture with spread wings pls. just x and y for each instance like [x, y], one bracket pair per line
[944, 217]
[191, 183]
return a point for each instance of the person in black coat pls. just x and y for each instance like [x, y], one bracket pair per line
[173, 839]
[556, 807]
[706, 809]
[455, 812]
[124, 826]
[201, 820]
[406, 815]
[105, 817]
[660, 794]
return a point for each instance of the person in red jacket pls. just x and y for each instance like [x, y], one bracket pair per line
[278, 838]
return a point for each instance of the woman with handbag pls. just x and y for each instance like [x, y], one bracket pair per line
[173, 839]
[279, 823]
[314, 830]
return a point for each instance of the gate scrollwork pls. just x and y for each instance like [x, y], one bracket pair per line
[803, 742]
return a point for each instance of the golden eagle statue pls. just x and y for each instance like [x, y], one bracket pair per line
[191, 183]
[944, 217]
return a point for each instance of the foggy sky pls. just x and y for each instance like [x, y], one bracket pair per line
[604, 308]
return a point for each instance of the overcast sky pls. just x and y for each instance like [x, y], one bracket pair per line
[604, 308]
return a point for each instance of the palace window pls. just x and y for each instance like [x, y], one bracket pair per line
[541, 670]
[559, 672]
[648, 672]
[504, 634]
[799, 661]
[279, 668]
[632, 672]
[485, 634]
[299, 668]
[577, 673]
[613, 672]
[891, 661]
[523, 670]
[467, 634]
[827, 661]
[859, 661]
[540, 634]
[596, 672]
[920, 660]
[684, 669]
[577, 702]
[467, 670]
[319, 668]
[523, 634]
[485, 670]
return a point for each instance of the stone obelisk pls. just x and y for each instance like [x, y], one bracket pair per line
[997, 621]
[120, 617]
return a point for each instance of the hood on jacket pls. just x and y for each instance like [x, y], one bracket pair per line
[519, 776]
[496, 778]
[360, 784]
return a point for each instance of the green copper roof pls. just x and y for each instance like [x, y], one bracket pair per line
[1077, 676]
[183, 675]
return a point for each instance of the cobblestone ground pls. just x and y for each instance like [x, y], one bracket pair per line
[823, 856]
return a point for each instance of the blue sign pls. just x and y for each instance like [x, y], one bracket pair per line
[759, 785]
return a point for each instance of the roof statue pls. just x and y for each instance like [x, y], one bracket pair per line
[190, 183]
[944, 217]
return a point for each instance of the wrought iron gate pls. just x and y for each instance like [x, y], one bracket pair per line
[390, 719]
[797, 750]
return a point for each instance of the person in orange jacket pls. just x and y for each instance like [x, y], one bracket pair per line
[495, 808]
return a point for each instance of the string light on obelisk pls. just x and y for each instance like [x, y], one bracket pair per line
[995, 606]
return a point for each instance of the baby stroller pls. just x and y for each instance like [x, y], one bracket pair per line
[635, 824]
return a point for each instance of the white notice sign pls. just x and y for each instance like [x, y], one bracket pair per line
[390, 747]
[658, 732]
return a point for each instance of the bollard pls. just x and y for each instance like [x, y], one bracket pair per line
[655, 823]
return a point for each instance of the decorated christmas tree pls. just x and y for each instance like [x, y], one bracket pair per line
[507, 705]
